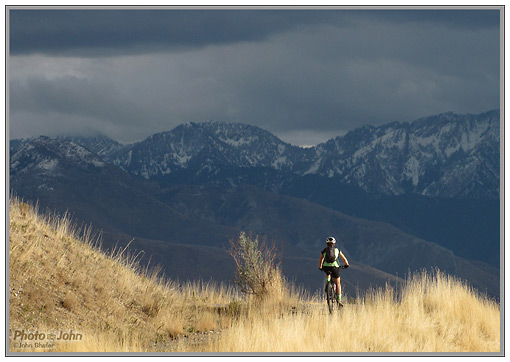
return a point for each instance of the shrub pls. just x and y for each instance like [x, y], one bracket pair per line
[257, 265]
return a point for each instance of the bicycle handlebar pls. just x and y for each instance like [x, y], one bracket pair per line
[341, 267]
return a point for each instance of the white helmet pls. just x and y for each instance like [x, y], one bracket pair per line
[330, 240]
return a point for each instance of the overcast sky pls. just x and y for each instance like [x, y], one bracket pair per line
[304, 75]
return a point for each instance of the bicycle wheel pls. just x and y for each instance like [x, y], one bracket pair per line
[330, 297]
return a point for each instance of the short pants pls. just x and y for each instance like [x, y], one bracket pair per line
[333, 270]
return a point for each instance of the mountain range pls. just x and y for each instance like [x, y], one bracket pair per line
[393, 194]
[446, 155]
[436, 178]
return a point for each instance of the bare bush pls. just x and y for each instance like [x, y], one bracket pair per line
[257, 265]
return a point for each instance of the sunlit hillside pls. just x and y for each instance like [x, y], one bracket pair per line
[66, 295]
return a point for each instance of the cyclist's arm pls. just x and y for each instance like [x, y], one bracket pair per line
[340, 254]
[321, 260]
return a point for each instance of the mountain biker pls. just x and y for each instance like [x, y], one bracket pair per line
[333, 268]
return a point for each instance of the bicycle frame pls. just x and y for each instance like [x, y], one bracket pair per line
[330, 290]
[331, 298]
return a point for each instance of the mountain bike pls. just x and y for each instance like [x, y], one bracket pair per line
[330, 290]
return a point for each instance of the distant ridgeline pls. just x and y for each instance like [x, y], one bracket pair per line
[440, 156]
[446, 155]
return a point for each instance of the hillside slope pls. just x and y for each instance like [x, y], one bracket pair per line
[60, 282]
[60, 285]
[214, 263]
[300, 226]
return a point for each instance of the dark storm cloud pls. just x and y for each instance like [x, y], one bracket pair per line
[97, 32]
[306, 76]
[460, 18]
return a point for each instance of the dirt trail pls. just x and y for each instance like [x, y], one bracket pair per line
[194, 342]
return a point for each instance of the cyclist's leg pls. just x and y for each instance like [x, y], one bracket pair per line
[338, 285]
[326, 281]
[327, 271]
[336, 280]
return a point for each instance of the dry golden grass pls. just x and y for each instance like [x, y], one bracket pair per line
[434, 313]
[60, 281]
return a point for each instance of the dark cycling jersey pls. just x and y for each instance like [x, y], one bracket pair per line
[335, 264]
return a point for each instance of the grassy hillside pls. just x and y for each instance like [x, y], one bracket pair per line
[60, 283]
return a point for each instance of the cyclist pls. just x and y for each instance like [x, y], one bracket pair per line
[333, 268]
